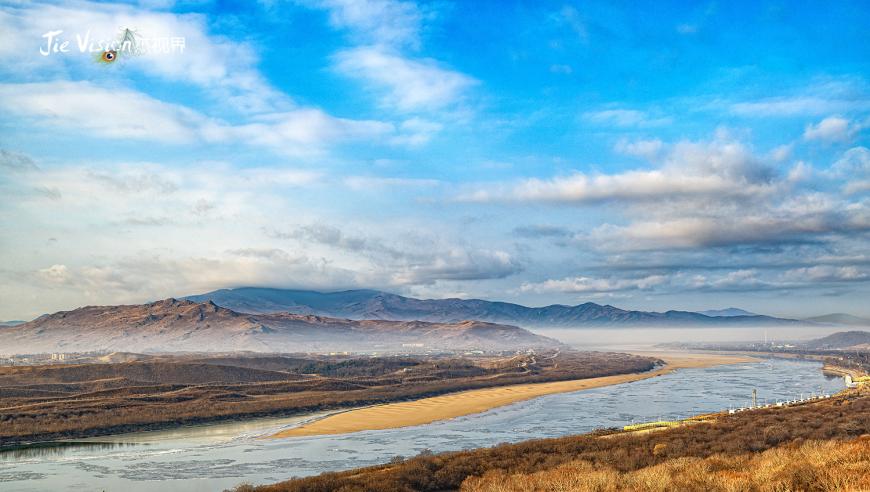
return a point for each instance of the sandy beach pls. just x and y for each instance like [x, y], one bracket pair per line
[427, 410]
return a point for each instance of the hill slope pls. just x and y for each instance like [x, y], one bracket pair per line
[371, 304]
[173, 325]
[842, 340]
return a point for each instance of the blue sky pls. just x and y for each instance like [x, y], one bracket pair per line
[666, 156]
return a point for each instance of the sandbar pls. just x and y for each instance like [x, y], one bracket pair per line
[452, 405]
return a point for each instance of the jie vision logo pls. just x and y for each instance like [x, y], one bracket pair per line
[127, 43]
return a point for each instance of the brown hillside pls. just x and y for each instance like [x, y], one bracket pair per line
[187, 326]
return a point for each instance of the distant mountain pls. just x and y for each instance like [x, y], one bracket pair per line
[727, 312]
[842, 340]
[11, 323]
[372, 304]
[173, 325]
[840, 319]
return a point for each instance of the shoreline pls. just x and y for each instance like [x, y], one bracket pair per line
[459, 404]
[293, 403]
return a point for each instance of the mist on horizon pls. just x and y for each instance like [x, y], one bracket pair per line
[628, 338]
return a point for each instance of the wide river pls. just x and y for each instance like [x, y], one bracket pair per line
[216, 457]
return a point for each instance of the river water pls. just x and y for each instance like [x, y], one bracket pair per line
[219, 456]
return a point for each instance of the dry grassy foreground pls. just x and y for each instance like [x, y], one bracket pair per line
[813, 465]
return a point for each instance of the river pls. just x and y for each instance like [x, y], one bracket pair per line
[219, 456]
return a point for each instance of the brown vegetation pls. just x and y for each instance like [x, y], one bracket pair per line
[63, 401]
[811, 465]
[729, 443]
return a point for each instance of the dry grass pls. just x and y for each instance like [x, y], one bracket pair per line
[810, 466]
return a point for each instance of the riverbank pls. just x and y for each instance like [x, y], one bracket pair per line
[75, 401]
[722, 453]
[428, 410]
[836, 362]
[843, 371]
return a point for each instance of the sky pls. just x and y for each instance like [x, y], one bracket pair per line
[649, 156]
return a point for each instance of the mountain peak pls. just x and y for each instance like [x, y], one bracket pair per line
[726, 312]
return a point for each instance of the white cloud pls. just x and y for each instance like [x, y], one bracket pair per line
[131, 232]
[225, 69]
[687, 28]
[561, 69]
[831, 129]
[738, 280]
[126, 114]
[375, 183]
[794, 221]
[840, 96]
[854, 167]
[570, 17]
[536, 231]
[298, 131]
[857, 186]
[146, 277]
[142, 193]
[459, 264]
[408, 259]
[271, 177]
[787, 106]
[409, 85]
[149, 275]
[122, 113]
[15, 162]
[781, 152]
[631, 185]
[702, 195]
[624, 118]
[647, 149]
[416, 131]
[591, 285]
[383, 31]
[720, 168]
[801, 171]
[386, 22]
[722, 156]
[691, 232]
[55, 274]
[827, 273]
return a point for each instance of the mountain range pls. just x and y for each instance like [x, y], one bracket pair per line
[840, 319]
[189, 326]
[373, 304]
